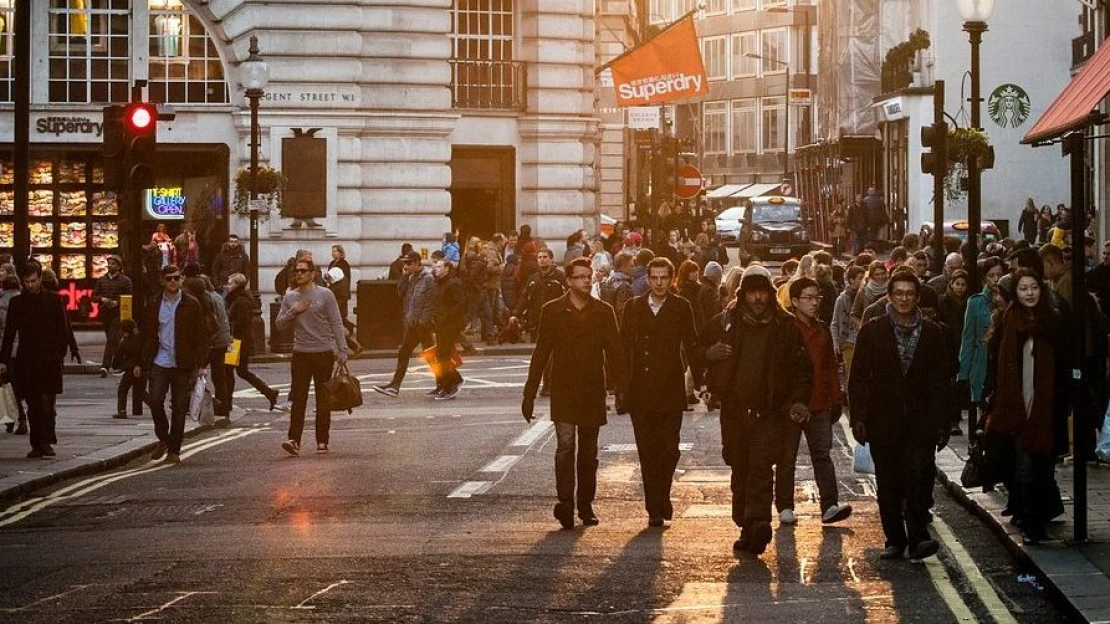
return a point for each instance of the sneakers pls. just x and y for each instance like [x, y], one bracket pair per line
[321, 449]
[923, 550]
[272, 397]
[173, 458]
[48, 451]
[223, 422]
[448, 394]
[35, 453]
[284, 407]
[892, 552]
[836, 513]
[388, 390]
[122, 415]
[158, 452]
[434, 392]
[786, 516]
[103, 372]
[292, 447]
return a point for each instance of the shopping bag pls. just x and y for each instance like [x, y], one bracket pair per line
[974, 469]
[434, 363]
[861, 459]
[1102, 450]
[343, 390]
[201, 407]
[231, 358]
[9, 411]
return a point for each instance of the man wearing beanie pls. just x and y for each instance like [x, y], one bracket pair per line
[709, 296]
[763, 376]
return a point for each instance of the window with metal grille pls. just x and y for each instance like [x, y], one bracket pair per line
[484, 74]
[745, 126]
[7, 27]
[89, 50]
[185, 67]
[715, 127]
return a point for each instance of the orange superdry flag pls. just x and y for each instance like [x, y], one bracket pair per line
[666, 67]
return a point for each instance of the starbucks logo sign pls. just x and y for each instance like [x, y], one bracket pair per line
[1008, 106]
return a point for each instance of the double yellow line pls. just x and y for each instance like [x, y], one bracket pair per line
[31, 506]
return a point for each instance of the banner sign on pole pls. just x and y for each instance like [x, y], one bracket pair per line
[643, 117]
[665, 68]
[801, 97]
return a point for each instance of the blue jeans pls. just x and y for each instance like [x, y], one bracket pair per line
[178, 381]
[569, 465]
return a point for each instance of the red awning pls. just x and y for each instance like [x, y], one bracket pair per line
[1074, 106]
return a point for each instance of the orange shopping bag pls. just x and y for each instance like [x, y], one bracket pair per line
[429, 356]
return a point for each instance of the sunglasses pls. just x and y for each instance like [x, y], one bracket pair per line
[172, 278]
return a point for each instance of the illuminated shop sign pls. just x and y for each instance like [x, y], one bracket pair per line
[165, 203]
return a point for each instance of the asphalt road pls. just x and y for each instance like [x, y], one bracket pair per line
[441, 511]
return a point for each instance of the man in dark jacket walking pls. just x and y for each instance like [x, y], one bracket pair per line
[578, 337]
[230, 260]
[175, 347]
[450, 318]
[874, 212]
[899, 391]
[547, 284]
[37, 319]
[763, 376]
[107, 292]
[417, 290]
[657, 328]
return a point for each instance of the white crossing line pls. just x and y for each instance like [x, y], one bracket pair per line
[533, 433]
[470, 488]
[75, 588]
[501, 464]
[303, 604]
[181, 596]
[628, 448]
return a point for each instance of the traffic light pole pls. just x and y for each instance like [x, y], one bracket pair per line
[938, 187]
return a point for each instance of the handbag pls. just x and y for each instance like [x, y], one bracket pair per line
[231, 358]
[9, 411]
[861, 459]
[201, 407]
[343, 390]
[972, 474]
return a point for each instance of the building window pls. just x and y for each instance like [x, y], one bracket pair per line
[774, 3]
[7, 43]
[774, 51]
[714, 127]
[484, 74]
[185, 67]
[715, 54]
[715, 7]
[743, 5]
[745, 126]
[89, 50]
[659, 11]
[682, 7]
[742, 65]
[774, 113]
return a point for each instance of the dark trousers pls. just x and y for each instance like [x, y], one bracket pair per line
[128, 382]
[446, 375]
[178, 382]
[750, 446]
[818, 432]
[244, 372]
[582, 464]
[315, 368]
[41, 417]
[1038, 499]
[414, 335]
[112, 334]
[221, 407]
[904, 473]
[657, 436]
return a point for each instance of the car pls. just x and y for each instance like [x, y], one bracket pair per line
[730, 223]
[774, 228]
[958, 228]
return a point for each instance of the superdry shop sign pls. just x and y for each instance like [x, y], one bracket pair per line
[665, 68]
[58, 126]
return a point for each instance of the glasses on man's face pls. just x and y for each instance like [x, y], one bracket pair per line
[172, 278]
[299, 271]
[903, 294]
[812, 298]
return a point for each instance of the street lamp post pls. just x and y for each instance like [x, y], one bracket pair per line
[786, 114]
[975, 14]
[255, 74]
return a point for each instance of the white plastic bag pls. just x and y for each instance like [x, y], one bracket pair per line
[861, 459]
[9, 411]
[200, 402]
[1102, 451]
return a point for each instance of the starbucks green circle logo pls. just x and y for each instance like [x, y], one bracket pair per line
[1008, 106]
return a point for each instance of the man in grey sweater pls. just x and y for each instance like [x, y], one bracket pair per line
[417, 290]
[319, 341]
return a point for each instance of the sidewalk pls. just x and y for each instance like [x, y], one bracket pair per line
[1076, 573]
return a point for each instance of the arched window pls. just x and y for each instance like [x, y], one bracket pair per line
[185, 67]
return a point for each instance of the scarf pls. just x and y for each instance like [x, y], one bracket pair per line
[747, 317]
[875, 289]
[962, 301]
[1033, 428]
[905, 336]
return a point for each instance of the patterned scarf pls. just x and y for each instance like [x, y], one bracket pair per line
[905, 336]
[747, 317]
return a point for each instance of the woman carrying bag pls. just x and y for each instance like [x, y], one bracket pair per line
[239, 312]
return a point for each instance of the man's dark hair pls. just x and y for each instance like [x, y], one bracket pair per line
[903, 274]
[406, 248]
[798, 286]
[823, 257]
[661, 262]
[233, 235]
[31, 267]
[644, 257]
[545, 251]
[853, 271]
[310, 263]
[170, 268]
[899, 254]
[438, 255]
[1051, 251]
[623, 263]
[578, 263]
[920, 255]
[911, 241]
[1027, 258]
[986, 264]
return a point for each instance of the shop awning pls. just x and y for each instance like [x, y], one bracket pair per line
[756, 190]
[724, 190]
[1075, 107]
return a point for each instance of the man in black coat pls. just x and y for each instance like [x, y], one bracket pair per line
[657, 327]
[762, 374]
[899, 391]
[37, 318]
[450, 318]
[578, 338]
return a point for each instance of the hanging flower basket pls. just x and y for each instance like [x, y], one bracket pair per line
[964, 144]
[270, 184]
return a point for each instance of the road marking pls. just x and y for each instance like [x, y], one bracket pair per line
[323, 591]
[91, 485]
[628, 448]
[75, 588]
[501, 464]
[974, 576]
[181, 596]
[470, 488]
[533, 433]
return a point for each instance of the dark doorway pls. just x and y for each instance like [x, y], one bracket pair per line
[483, 191]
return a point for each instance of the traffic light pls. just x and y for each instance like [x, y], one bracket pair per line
[114, 147]
[141, 129]
[935, 137]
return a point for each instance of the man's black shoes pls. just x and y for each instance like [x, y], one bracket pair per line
[924, 550]
[564, 514]
[892, 552]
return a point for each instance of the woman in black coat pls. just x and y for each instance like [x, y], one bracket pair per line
[240, 316]
[341, 287]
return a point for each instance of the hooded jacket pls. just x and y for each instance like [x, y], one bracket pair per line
[228, 262]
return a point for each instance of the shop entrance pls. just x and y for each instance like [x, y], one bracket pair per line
[483, 191]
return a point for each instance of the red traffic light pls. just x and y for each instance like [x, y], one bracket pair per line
[140, 117]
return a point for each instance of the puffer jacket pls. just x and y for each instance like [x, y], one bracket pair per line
[418, 293]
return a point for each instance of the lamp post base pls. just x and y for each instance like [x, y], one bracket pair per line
[258, 326]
